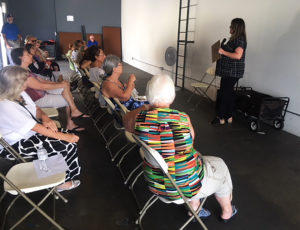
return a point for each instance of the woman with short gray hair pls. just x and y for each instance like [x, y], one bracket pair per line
[112, 87]
[171, 133]
[26, 127]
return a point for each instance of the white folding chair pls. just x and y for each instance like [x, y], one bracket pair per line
[19, 158]
[22, 179]
[204, 84]
[155, 159]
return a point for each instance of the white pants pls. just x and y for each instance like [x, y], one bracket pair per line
[52, 99]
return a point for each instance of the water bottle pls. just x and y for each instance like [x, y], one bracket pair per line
[42, 156]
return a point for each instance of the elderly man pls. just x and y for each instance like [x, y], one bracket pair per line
[11, 36]
[92, 41]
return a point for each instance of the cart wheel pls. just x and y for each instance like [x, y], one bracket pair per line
[278, 124]
[253, 125]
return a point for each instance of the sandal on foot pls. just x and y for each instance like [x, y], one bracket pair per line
[203, 214]
[217, 121]
[75, 184]
[83, 115]
[77, 129]
[234, 212]
[229, 120]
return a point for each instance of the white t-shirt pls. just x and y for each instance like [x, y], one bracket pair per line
[96, 74]
[15, 121]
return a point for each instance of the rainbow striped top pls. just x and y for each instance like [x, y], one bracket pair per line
[168, 132]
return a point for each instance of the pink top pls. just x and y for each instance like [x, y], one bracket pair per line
[35, 94]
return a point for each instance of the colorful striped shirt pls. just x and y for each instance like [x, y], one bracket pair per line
[168, 132]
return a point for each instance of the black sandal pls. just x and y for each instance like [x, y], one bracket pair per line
[80, 117]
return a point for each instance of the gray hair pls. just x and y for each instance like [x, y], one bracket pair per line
[110, 62]
[160, 89]
[12, 79]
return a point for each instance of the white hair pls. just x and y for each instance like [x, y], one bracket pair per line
[160, 89]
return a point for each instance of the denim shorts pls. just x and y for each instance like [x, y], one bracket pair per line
[217, 179]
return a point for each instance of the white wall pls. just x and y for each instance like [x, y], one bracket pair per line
[273, 33]
[149, 27]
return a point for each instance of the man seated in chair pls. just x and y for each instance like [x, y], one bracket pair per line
[171, 133]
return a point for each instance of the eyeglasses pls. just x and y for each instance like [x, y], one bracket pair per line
[33, 40]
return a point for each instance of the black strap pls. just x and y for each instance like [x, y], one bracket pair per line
[23, 105]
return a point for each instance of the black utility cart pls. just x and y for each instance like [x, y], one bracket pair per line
[258, 107]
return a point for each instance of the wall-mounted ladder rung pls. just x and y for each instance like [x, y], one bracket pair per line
[182, 43]
[186, 41]
[188, 31]
[187, 6]
[186, 19]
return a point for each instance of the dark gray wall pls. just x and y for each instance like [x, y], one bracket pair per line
[36, 17]
[43, 17]
[92, 13]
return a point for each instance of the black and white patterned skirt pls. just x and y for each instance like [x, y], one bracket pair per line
[28, 149]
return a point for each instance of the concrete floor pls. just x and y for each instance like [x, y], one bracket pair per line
[264, 169]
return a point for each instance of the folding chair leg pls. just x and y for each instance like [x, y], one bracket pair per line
[132, 172]
[150, 202]
[119, 151]
[192, 217]
[190, 98]
[131, 187]
[36, 207]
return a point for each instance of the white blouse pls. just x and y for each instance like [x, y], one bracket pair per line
[15, 121]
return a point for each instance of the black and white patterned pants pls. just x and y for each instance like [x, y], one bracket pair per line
[28, 149]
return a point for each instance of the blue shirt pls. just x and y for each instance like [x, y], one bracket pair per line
[90, 43]
[11, 31]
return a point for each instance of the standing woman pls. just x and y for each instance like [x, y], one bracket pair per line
[230, 67]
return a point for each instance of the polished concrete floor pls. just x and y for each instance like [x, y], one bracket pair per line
[264, 169]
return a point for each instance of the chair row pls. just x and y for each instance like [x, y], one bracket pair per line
[129, 157]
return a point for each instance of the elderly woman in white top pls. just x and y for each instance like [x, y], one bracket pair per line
[25, 126]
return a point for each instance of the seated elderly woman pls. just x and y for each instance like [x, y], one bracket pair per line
[47, 94]
[25, 126]
[171, 133]
[112, 87]
[94, 59]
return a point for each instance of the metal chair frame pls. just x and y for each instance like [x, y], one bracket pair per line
[154, 156]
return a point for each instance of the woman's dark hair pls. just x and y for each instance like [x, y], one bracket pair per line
[92, 52]
[16, 54]
[238, 29]
[28, 47]
[77, 44]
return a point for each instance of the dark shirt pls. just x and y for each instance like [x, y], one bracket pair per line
[228, 67]
[90, 43]
[11, 31]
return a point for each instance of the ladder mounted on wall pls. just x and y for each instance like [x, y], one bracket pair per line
[183, 39]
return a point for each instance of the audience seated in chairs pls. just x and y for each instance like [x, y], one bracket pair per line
[112, 87]
[171, 133]
[25, 126]
[47, 94]
[38, 66]
[93, 60]
[78, 51]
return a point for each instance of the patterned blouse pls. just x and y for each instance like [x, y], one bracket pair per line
[168, 132]
[228, 67]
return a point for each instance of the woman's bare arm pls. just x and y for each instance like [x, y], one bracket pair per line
[69, 137]
[237, 54]
[47, 122]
